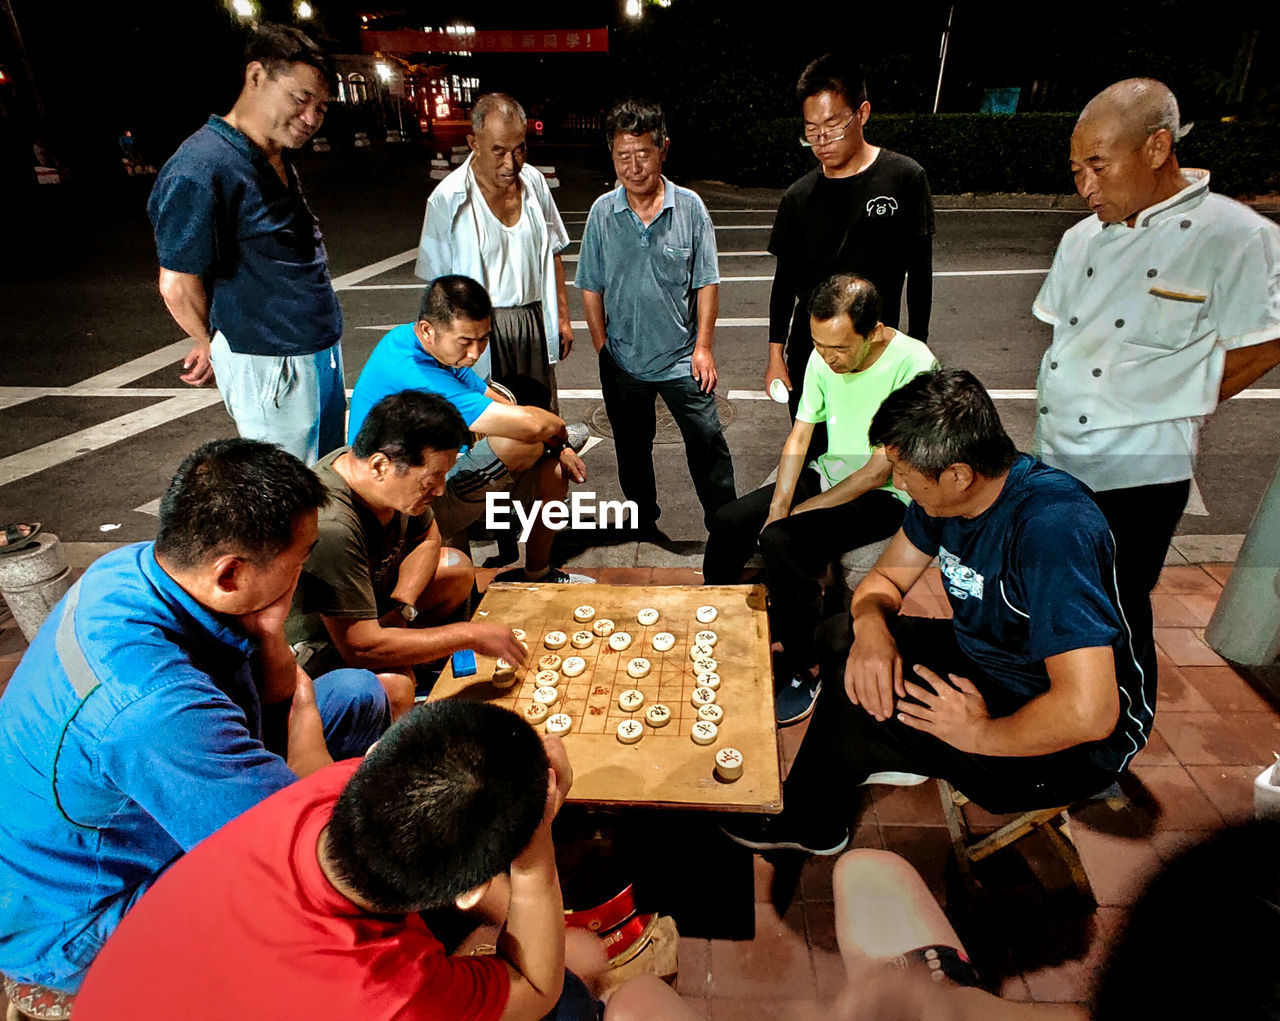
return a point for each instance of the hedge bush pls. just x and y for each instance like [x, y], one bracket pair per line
[990, 152]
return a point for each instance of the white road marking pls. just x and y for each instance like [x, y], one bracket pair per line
[358, 276]
[722, 255]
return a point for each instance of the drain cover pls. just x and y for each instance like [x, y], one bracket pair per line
[667, 431]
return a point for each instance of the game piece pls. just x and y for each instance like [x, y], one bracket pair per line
[555, 640]
[700, 651]
[630, 731]
[549, 662]
[663, 641]
[710, 679]
[647, 616]
[638, 667]
[546, 679]
[707, 638]
[704, 732]
[503, 681]
[504, 674]
[701, 697]
[535, 712]
[603, 627]
[619, 641]
[728, 763]
[573, 666]
[706, 614]
[582, 639]
[704, 666]
[547, 696]
[712, 712]
[657, 715]
[630, 700]
[584, 614]
[519, 632]
[559, 723]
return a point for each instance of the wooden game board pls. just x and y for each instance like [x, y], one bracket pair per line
[665, 767]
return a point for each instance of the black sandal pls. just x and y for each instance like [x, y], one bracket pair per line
[15, 540]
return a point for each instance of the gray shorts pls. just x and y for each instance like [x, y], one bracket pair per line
[476, 473]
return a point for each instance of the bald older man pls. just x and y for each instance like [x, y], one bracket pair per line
[1162, 304]
[493, 219]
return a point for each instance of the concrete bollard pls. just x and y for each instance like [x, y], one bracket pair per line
[1245, 626]
[33, 580]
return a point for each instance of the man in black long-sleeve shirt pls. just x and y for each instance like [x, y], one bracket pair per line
[864, 210]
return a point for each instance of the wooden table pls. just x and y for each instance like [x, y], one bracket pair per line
[665, 768]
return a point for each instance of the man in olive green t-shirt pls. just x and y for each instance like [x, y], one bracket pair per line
[378, 591]
[844, 499]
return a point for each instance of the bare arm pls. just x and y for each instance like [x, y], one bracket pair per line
[532, 942]
[562, 306]
[790, 465]
[373, 645]
[520, 422]
[703, 364]
[873, 671]
[1246, 365]
[185, 298]
[418, 568]
[1081, 705]
[872, 475]
[593, 308]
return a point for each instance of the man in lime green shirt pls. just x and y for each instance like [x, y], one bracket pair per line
[844, 499]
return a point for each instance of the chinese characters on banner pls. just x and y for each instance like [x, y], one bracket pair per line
[575, 40]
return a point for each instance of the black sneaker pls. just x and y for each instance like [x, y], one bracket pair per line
[775, 833]
[555, 576]
[794, 702]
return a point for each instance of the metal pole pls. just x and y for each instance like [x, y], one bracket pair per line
[942, 56]
[1245, 626]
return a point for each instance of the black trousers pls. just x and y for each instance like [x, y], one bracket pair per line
[1142, 520]
[796, 553]
[845, 744]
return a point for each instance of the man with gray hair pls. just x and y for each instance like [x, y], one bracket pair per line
[1163, 304]
[650, 288]
[493, 219]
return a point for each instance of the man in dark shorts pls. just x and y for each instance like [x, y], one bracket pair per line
[863, 210]
[1044, 701]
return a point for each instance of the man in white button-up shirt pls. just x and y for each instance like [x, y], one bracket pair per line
[1163, 304]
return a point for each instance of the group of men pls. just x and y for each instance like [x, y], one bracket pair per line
[173, 741]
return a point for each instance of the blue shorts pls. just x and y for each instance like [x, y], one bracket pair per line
[576, 1002]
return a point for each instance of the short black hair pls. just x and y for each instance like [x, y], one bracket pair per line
[833, 72]
[405, 425]
[1216, 907]
[278, 46]
[846, 294]
[235, 496]
[941, 418]
[448, 798]
[636, 117]
[450, 297]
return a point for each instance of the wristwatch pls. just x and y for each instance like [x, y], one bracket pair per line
[408, 611]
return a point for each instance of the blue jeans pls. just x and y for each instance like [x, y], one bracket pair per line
[353, 707]
[630, 404]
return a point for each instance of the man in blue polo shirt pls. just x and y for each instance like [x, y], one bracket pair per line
[522, 450]
[650, 288]
[1031, 695]
[153, 706]
[242, 265]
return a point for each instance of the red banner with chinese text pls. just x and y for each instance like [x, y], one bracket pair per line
[575, 40]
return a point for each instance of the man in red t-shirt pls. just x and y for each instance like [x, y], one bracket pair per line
[308, 904]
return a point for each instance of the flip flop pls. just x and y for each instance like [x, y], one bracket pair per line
[14, 540]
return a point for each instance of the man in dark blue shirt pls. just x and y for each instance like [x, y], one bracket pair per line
[242, 265]
[1030, 696]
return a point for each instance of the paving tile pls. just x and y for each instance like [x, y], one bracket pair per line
[815, 876]
[624, 575]
[12, 642]
[755, 1009]
[1117, 867]
[1200, 606]
[1233, 739]
[828, 967]
[1186, 648]
[1156, 752]
[676, 576]
[763, 873]
[1014, 987]
[484, 575]
[621, 554]
[1173, 693]
[1229, 788]
[1218, 572]
[927, 848]
[775, 965]
[1191, 578]
[820, 925]
[1167, 844]
[694, 962]
[1224, 689]
[1169, 610]
[685, 554]
[1180, 802]
[1202, 549]
[909, 806]
[700, 1005]
[1070, 981]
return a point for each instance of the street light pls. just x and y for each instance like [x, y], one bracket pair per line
[384, 72]
[244, 8]
[305, 10]
[633, 8]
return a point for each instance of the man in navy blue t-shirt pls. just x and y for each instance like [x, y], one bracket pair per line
[243, 268]
[1030, 696]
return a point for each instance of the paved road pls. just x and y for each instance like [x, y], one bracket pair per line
[93, 419]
